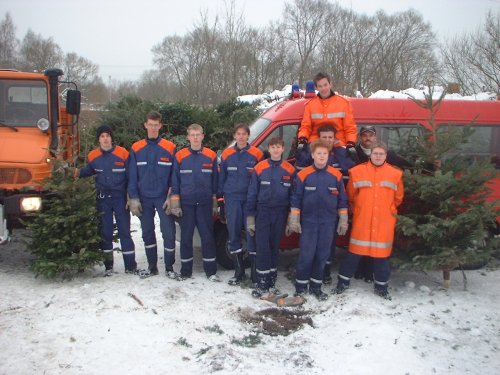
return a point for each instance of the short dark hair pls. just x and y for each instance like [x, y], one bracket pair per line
[153, 115]
[320, 76]
[327, 128]
[276, 141]
[243, 126]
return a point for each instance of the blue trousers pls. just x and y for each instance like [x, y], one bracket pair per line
[381, 270]
[167, 226]
[108, 205]
[315, 244]
[269, 227]
[236, 222]
[199, 216]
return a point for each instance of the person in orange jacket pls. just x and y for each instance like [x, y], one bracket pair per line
[375, 190]
[329, 108]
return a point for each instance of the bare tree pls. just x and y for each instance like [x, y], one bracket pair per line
[307, 23]
[8, 42]
[473, 59]
[79, 69]
[38, 54]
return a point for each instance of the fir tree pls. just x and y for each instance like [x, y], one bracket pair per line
[64, 236]
[445, 221]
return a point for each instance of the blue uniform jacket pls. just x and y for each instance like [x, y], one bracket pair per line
[305, 159]
[236, 170]
[150, 168]
[195, 175]
[110, 169]
[318, 194]
[270, 186]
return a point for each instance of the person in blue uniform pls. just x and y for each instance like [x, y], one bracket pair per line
[108, 163]
[236, 167]
[267, 205]
[150, 163]
[318, 201]
[194, 200]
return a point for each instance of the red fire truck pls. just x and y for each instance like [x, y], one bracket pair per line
[394, 119]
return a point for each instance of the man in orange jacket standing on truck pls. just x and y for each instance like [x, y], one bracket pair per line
[375, 190]
[329, 108]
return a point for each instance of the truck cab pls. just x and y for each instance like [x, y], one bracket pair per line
[35, 130]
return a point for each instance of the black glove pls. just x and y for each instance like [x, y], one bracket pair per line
[302, 140]
[350, 145]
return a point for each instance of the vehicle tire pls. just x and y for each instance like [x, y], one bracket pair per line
[222, 249]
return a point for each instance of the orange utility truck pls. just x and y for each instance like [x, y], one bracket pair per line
[38, 126]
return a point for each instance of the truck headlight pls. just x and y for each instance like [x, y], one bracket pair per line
[31, 204]
[43, 124]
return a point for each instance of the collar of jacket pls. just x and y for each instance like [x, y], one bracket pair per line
[241, 149]
[377, 166]
[329, 96]
[195, 151]
[274, 163]
[108, 151]
[153, 140]
[320, 169]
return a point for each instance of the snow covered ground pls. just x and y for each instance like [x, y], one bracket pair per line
[126, 325]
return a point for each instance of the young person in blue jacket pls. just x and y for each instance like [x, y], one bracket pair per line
[194, 200]
[236, 167]
[150, 163]
[267, 205]
[108, 163]
[318, 201]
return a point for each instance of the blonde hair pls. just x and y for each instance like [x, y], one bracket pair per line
[196, 127]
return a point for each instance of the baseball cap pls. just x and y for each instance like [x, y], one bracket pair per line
[367, 128]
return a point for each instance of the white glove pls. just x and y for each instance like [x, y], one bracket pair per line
[343, 224]
[175, 205]
[251, 225]
[166, 206]
[293, 223]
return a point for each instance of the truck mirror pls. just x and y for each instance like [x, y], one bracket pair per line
[73, 100]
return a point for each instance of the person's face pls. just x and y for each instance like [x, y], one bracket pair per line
[320, 157]
[367, 139]
[105, 141]
[276, 151]
[195, 137]
[378, 156]
[241, 137]
[328, 137]
[153, 128]
[324, 87]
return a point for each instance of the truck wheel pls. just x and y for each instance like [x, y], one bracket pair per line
[222, 249]
[221, 238]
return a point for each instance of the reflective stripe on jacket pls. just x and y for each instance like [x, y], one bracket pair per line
[110, 169]
[270, 186]
[374, 193]
[236, 170]
[335, 110]
[151, 164]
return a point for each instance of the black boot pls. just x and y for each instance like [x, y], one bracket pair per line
[239, 269]
[253, 270]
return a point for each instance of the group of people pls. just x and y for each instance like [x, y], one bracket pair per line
[264, 197]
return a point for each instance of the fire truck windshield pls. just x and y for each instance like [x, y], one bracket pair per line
[23, 102]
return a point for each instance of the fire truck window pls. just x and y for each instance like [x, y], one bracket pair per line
[482, 144]
[288, 132]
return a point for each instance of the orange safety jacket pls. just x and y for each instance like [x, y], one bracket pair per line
[374, 194]
[335, 110]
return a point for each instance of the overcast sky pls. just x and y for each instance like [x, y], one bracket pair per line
[118, 34]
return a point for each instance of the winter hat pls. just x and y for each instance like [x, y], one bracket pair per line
[104, 129]
[367, 128]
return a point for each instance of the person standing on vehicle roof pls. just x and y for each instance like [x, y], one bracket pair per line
[329, 108]
[267, 206]
[109, 164]
[194, 200]
[318, 201]
[151, 162]
[367, 138]
[236, 168]
[375, 191]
